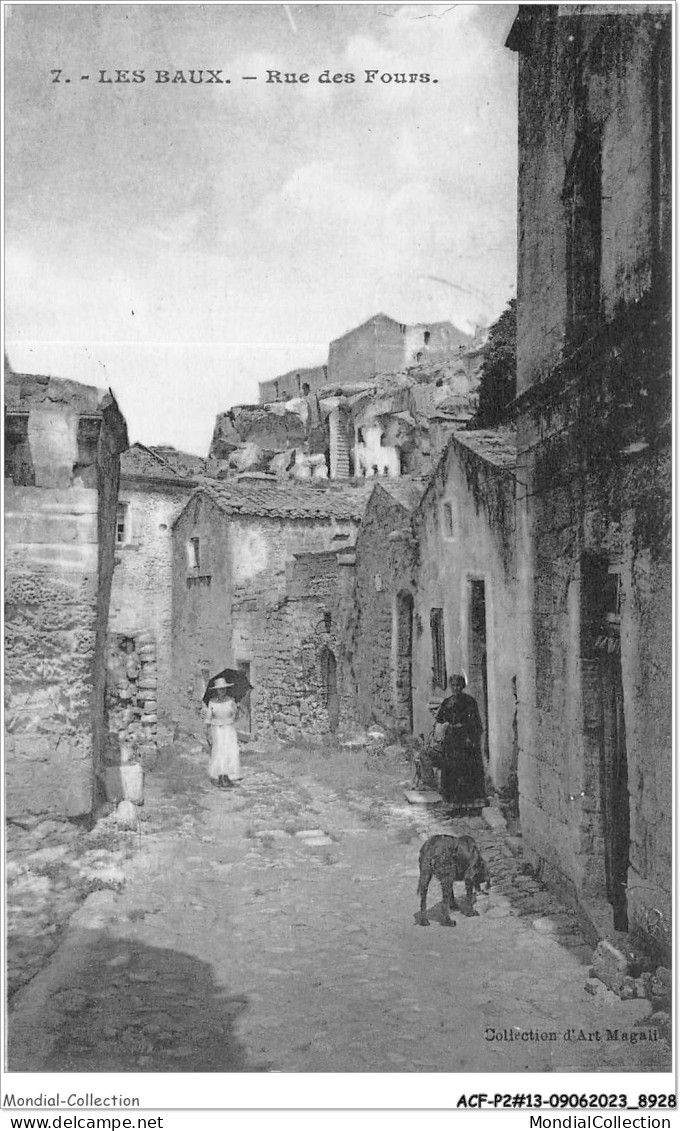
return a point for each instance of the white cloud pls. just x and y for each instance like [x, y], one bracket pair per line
[251, 223]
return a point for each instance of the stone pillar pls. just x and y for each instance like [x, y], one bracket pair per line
[64, 442]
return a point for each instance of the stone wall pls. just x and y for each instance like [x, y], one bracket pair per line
[60, 500]
[295, 650]
[141, 597]
[576, 74]
[289, 385]
[594, 484]
[465, 531]
[376, 347]
[433, 339]
[647, 655]
[132, 700]
[385, 566]
[104, 453]
[51, 557]
[284, 586]
[233, 610]
[382, 345]
[574, 652]
[201, 604]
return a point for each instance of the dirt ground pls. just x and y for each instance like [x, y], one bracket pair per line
[272, 928]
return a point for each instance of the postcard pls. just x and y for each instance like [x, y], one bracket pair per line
[338, 570]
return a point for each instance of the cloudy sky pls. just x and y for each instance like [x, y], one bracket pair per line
[182, 242]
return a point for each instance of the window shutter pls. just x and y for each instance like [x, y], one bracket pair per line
[206, 567]
[130, 524]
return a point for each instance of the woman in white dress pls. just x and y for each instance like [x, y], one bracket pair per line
[224, 767]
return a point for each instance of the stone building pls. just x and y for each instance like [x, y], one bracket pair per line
[382, 345]
[257, 575]
[298, 648]
[593, 470]
[290, 384]
[155, 484]
[62, 449]
[380, 631]
[435, 594]
[465, 593]
[367, 412]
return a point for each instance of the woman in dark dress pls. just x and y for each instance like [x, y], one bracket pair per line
[463, 770]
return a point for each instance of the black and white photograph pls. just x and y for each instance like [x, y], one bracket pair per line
[338, 557]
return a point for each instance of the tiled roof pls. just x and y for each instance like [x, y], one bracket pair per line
[295, 500]
[498, 446]
[459, 405]
[160, 463]
[185, 463]
[406, 492]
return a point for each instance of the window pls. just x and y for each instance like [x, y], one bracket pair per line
[194, 553]
[438, 649]
[582, 197]
[426, 336]
[612, 596]
[122, 524]
[447, 515]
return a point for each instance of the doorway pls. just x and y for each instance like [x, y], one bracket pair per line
[329, 677]
[615, 799]
[601, 650]
[477, 655]
[404, 647]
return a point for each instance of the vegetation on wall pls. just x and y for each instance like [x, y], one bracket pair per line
[498, 384]
[604, 415]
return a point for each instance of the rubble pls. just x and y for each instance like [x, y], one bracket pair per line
[381, 424]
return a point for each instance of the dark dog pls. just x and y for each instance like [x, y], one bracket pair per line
[450, 858]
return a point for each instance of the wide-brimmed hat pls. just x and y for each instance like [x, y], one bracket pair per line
[221, 683]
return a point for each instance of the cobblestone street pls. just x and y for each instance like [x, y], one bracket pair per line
[272, 928]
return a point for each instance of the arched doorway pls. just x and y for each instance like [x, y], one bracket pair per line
[329, 678]
[403, 697]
